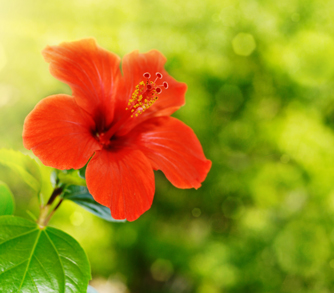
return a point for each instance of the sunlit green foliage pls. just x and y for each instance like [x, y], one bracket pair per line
[7, 200]
[40, 260]
[261, 100]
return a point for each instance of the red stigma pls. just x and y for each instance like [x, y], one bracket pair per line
[145, 94]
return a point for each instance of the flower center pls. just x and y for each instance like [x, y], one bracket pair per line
[103, 139]
[143, 97]
[145, 94]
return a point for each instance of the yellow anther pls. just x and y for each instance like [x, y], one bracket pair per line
[142, 97]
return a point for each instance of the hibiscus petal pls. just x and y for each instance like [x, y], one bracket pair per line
[134, 65]
[91, 72]
[173, 148]
[123, 180]
[59, 133]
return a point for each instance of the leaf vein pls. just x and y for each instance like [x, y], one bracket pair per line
[43, 269]
[30, 258]
[33, 281]
[54, 247]
[72, 261]
[13, 267]
[76, 285]
[18, 236]
[60, 237]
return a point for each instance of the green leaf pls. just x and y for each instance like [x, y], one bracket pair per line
[82, 172]
[91, 290]
[35, 260]
[81, 196]
[71, 177]
[23, 165]
[35, 175]
[46, 182]
[6, 200]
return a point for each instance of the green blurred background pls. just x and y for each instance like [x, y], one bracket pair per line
[261, 100]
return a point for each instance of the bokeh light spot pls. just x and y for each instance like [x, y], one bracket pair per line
[114, 285]
[77, 218]
[302, 248]
[6, 93]
[196, 212]
[162, 270]
[243, 44]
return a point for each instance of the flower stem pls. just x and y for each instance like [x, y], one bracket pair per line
[52, 212]
[57, 191]
[42, 216]
[46, 211]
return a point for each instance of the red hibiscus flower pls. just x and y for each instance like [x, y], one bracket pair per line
[120, 122]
